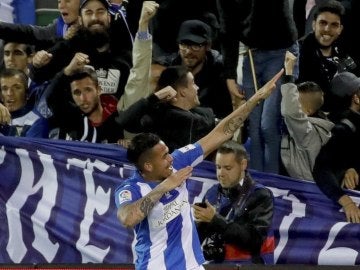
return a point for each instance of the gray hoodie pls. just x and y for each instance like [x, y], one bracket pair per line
[306, 135]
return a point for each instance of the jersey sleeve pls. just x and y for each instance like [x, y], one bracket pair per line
[126, 194]
[189, 155]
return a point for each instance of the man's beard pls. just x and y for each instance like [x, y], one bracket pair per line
[97, 37]
[191, 64]
[100, 38]
[323, 47]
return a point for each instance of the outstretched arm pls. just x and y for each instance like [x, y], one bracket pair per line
[227, 127]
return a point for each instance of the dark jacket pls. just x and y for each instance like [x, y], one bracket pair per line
[211, 81]
[44, 37]
[266, 25]
[313, 66]
[243, 215]
[26, 122]
[175, 126]
[339, 154]
[71, 123]
[116, 59]
[178, 127]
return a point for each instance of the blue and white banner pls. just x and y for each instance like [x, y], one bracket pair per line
[57, 206]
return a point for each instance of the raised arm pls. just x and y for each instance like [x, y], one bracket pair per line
[227, 127]
[133, 213]
[137, 85]
[299, 126]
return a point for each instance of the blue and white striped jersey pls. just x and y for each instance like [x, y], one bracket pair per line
[167, 238]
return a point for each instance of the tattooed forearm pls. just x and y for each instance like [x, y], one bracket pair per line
[232, 125]
[133, 213]
[146, 205]
[235, 122]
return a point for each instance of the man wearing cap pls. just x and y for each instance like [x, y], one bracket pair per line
[100, 110]
[171, 14]
[206, 65]
[66, 24]
[338, 163]
[99, 45]
[44, 36]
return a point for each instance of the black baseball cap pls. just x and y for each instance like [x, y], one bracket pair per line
[104, 2]
[195, 31]
[345, 84]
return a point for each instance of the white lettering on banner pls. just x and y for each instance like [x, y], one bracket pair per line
[97, 200]
[29, 178]
[338, 255]
[42, 214]
[298, 210]
[2, 155]
[48, 182]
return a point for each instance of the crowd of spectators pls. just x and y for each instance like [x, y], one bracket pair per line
[107, 70]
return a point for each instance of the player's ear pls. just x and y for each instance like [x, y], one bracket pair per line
[244, 164]
[148, 166]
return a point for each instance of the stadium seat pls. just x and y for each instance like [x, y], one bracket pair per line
[44, 16]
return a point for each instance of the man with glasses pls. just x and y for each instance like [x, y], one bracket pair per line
[206, 65]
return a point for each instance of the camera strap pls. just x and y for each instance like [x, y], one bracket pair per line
[237, 205]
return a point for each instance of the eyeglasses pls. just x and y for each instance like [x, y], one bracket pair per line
[193, 47]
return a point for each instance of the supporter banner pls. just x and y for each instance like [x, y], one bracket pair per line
[57, 206]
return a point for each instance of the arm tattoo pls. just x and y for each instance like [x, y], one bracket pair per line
[232, 125]
[146, 205]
